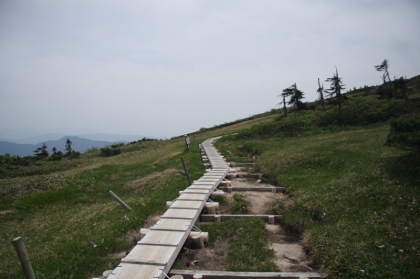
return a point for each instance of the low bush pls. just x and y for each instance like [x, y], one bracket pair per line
[108, 151]
[405, 131]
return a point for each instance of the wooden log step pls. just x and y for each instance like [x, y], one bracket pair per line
[249, 175]
[243, 165]
[210, 274]
[254, 189]
[241, 158]
[227, 217]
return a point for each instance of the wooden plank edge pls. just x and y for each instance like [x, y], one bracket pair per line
[227, 217]
[209, 274]
[255, 189]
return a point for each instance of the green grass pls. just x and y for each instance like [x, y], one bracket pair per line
[247, 244]
[70, 227]
[239, 205]
[354, 199]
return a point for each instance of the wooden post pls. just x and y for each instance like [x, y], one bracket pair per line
[271, 219]
[198, 239]
[143, 232]
[217, 218]
[186, 171]
[168, 204]
[24, 258]
[205, 236]
[119, 200]
[187, 143]
[211, 209]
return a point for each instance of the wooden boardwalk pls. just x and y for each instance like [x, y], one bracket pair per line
[154, 254]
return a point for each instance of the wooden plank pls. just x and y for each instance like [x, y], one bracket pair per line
[186, 205]
[148, 254]
[209, 274]
[196, 191]
[201, 187]
[192, 197]
[172, 224]
[227, 217]
[204, 183]
[181, 213]
[135, 271]
[162, 237]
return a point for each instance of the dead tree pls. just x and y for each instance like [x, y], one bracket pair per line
[321, 94]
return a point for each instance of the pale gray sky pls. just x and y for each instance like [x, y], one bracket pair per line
[165, 68]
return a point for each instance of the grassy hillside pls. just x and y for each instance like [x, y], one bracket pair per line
[354, 199]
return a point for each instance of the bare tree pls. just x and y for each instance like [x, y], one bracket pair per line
[286, 93]
[321, 94]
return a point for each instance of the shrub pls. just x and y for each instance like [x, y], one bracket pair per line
[108, 151]
[405, 131]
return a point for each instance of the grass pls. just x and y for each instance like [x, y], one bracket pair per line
[354, 199]
[70, 224]
[247, 240]
[239, 205]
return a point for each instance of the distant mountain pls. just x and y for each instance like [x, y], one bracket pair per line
[16, 149]
[111, 137]
[40, 138]
[97, 137]
[79, 144]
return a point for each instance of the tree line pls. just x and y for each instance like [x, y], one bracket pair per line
[390, 90]
[41, 153]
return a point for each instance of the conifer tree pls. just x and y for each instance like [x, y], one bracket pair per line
[295, 98]
[68, 147]
[335, 89]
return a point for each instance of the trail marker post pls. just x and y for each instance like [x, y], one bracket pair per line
[24, 258]
[186, 171]
[187, 143]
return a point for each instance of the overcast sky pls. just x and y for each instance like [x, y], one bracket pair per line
[165, 68]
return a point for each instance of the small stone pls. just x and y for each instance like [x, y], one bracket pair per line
[259, 181]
